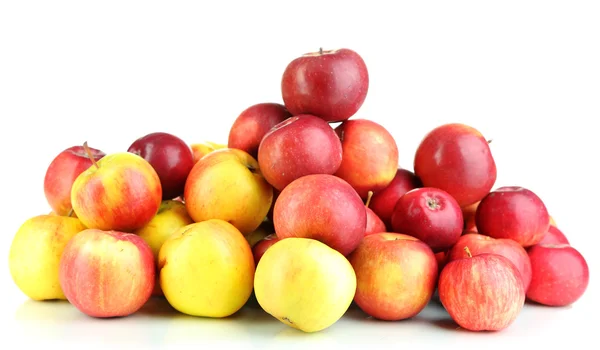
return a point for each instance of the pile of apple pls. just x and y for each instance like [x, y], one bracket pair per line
[304, 209]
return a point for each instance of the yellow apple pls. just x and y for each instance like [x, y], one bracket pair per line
[35, 253]
[206, 269]
[201, 149]
[304, 283]
[227, 184]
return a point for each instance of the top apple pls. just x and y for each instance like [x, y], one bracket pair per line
[329, 84]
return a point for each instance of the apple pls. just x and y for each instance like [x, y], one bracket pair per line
[200, 149]
[374, 223]
[331, 84]
[261, 246]
[227, 184]
[513, 212]
[396, 275]
[442, 259]
[431, 215]
[35, 251]
[469, 218]
[170, 156]
[299, 146]
[62, 172]
[456, 158]
[264, 230]
[384, 201]
[322, 207]
[480, 244]
[107, 273]
[253, 123]
[304, 283]
[560, 274]
[482, 293]
[369, 155]
[554, 236]
[207, 269]
[120, 192]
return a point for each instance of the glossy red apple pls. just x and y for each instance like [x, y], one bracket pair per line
[560, 274]
[431, 215]
[384, 201]
[554, 236]
[301, 145]
[457, 159]
[170, 156]
[253, 123]
[374, 223]
[513, 212]
[261, 247]
[331, 84]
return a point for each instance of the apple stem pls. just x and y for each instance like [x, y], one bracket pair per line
[320, 50]
[89, 153]
[71, 211]
[369, 196]
[489, 141]
[468, 252]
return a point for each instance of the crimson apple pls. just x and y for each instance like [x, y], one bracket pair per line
[261, 247]
[554, 236]
[374, 223]
[331, 84]
[384, 201]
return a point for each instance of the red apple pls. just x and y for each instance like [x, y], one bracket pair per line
[107, 273]
[369, 155]
[331, 84]
[170, 156]
[261, 247]
[384, 201]
[299, 146]
[253, 123]
[554, 236]
[480, 244]
[442, 259]
[513, 212]
[322, 207]
[560, 274]
[62, 172]
[469, 218]
[431, 215]
[374, 223]
[457, 159]
[396, 275]
[482, 293]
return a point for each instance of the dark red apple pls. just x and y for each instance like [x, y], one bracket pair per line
[374, 223]
[253, 123]
[554, 236]
[457, 159]
[300, 145]
[261, 247]
[384, 201]
[331, 84]
[170, 156]
[513, 212]
[431, 215]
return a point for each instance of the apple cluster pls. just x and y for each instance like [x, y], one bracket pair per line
[305, 209]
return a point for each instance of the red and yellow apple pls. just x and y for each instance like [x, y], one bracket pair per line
[200, 149]
[384, 201]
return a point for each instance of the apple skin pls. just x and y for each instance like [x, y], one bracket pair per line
[253, 123]
[300, 145]
[482, 293]
[396, 275]
[554, 236]
[431, 215]
[513, 212]
[322, 207]
[122, 193]
[480, 244]
[331, 84]
[456, 158]
[62, 172]
[261, 247]
[369, 155]
[374, 223]
[227, 184]
[107, 273]
[201, 149]
[560, 275]
[384, 201]
[170, 156]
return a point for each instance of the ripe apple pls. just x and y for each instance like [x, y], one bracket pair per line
[35, 251]
[482, 293]
[384, 201]
[170, 156]
[304, 283]
[207, 269]
[62, 172]
[456, 158]
[560, 274]
[369, 155]
[120, 192]
[261, 246]
[554, 236]
[469, 211]
[322, 207]
[513, 212]
[396, 275]
[107, 273]
[253, 123]
[331, 84]
[480, 244]
[227, 184]
[201, 149]
[374, 223]
[299, 146]
[431, 215]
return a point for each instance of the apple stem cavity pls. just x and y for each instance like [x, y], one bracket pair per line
[369, 196]
[468, 251]
[90, 155]
[432, 204]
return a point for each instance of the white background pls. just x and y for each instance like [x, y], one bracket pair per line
[525, 73]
